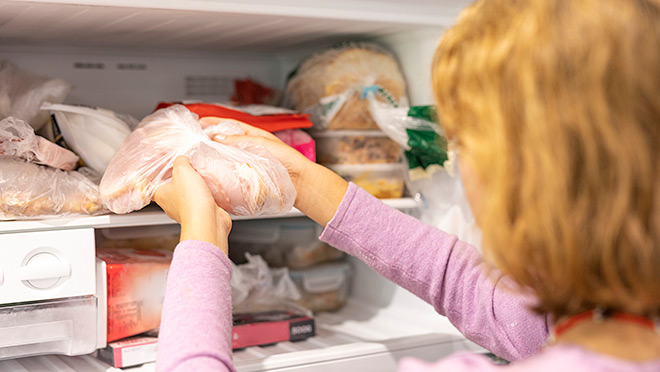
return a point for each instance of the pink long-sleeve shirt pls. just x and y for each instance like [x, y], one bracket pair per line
[196, 321]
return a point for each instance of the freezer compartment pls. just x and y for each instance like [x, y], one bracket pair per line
[380, 324]
[65, 326]
[44, 265]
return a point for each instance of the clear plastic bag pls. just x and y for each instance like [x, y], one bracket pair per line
[255, 287]
[331, 85]
[22, 93]
[17, 139]
[28, 190]
[431, 177]
[244, 180]
[93, 133]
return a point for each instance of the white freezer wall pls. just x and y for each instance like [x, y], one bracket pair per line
[134, 81]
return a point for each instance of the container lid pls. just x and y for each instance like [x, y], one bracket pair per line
[322, 278]
[348, 133]
[360, 168]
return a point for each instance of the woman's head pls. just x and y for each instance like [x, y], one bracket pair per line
[555, 107]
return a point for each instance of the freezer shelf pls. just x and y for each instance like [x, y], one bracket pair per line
[148, 216]
[358, 337]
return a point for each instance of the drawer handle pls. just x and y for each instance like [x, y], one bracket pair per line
[49, 271]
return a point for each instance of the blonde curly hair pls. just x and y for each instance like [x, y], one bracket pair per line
[555, 106]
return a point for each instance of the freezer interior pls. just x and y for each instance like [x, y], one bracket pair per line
[142, 53]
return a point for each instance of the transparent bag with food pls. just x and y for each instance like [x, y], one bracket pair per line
[17, 139]
[29, 191]
[331, 85]
[22, 93]
[245, 180]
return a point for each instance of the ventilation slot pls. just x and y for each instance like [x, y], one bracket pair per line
[89, 65]
[208, 86]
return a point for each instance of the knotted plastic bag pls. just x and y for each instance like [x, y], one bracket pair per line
[244, 180]
[17, 139]
[332, 85]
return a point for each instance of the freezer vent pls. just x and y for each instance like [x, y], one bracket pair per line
[89, 65]
[208, 86]
[131, 66]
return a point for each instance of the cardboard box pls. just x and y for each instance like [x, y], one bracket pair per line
[130, 352]
[264, 328]
[136, 280]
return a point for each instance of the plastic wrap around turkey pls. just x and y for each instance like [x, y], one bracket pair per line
[244, 180]
[28, 190]
[17, 139]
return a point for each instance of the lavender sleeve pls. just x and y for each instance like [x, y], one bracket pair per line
[195, 330]
[440, 269]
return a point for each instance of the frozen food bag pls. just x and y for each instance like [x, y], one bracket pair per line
[95, 134]
[22, 93]
[331, 85]
[17, 139]
[416, 130]
[29, 190]
[244, 180]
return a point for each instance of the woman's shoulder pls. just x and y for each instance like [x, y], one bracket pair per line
[558, 358]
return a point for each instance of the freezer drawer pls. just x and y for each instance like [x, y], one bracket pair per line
[47, 264]
[65, 326]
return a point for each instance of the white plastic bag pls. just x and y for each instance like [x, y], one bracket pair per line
[255, 287]
[331, 85]
[22, 93]
[28, 190]
[244, 180]
[17, 139]
[95, 134]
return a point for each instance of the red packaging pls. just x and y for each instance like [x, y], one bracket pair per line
[270, 327]
[267, 121]
[136, 288]
[130, 352]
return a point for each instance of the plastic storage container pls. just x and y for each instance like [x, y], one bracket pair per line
[291, 243]
[355, 147]
[323, 287]
[384, 181]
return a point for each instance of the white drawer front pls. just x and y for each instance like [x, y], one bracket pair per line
[48, 264]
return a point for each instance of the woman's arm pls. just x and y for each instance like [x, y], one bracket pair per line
[196, 322]
[441, 270]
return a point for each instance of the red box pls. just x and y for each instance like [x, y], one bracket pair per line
[269, 327]
[136, 289]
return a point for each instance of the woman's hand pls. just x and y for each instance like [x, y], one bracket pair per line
[188, 201]
[318, 189]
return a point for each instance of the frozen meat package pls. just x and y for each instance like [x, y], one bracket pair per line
[244, 180]
[17, 139]
[29, 190]
[332, 85]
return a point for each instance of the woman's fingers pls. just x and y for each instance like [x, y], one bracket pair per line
[249, 130]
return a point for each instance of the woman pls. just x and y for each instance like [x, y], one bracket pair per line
[555, 109]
